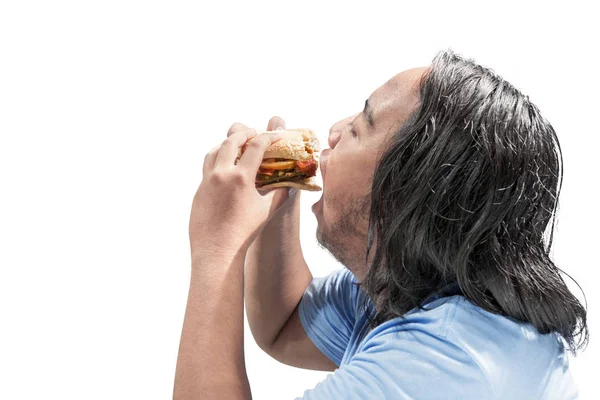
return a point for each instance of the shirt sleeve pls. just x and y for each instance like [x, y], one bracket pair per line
[405, 366]
[327, 312]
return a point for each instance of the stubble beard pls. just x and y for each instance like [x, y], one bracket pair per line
[346, 239]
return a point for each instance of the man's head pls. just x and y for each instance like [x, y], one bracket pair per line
[449, 175]
[347, 167]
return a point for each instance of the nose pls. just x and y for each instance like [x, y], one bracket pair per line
[337, 129]
[335, 133]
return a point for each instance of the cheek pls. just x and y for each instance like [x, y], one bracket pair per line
[347, 179]
[349, 174]
[334, 190]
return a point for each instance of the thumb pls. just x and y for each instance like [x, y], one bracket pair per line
[276, 123]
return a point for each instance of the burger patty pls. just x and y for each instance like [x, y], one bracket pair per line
[291, 175]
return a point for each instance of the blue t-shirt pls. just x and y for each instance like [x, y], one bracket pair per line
[454, 350]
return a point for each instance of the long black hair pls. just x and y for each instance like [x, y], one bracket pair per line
[467, 192]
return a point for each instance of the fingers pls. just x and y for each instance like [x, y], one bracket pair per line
[230, 148]
[238, 134]
[276, 123]
[237, 127]
[255, 149]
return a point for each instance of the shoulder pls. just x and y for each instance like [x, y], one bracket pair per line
[412, 357]
[339, 280]
[339, 287]
[457, 340]
[507, 350]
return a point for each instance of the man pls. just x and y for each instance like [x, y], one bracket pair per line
[436, 198]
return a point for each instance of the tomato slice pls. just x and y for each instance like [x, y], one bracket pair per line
[268, 172]
[278, 165]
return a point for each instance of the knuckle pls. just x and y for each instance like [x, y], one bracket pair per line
[218, 178]
[239, 178]
[235, 127]
[256, 144]
[208, 156]
[229, 141]
[235, 177]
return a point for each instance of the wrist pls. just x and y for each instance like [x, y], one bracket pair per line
[217, 253]
[287, 217]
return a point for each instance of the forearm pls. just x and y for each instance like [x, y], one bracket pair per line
[276, 275]
[211, 352]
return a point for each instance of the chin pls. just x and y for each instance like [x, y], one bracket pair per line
[317, 210]
[320, 234]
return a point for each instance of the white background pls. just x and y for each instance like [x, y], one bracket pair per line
[107, 109]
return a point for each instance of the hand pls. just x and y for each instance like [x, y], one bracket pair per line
[228, 212]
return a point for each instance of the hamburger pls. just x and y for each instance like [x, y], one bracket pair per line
[290, 162]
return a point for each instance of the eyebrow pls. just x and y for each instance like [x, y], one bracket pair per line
[368, 112]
